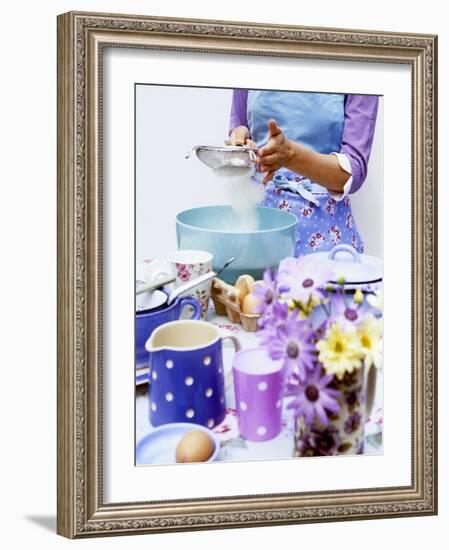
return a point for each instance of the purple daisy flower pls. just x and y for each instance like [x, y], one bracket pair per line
[271, 321]
[290, 339]
[265, 292]
[301, 278]
[314, 398]
[343, 309]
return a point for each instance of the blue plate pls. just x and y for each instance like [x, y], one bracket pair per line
[159, 446]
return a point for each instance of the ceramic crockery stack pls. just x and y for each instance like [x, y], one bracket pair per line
[186, 265]
[186, 373]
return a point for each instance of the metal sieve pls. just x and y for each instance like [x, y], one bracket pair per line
[226, 160]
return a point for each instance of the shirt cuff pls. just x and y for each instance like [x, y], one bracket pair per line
[345, 165]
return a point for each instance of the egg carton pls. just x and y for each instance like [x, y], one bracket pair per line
[226, 299]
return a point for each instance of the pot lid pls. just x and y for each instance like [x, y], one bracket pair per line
[347, 264]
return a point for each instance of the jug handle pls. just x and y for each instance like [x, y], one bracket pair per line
[370, 388]
[235, 341]
[188, 301]
[237, 347]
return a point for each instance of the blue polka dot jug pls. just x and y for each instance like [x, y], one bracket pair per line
[186, 373]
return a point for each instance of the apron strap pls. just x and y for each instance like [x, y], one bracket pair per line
[284, 179]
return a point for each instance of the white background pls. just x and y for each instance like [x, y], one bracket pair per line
[28, 230]
[170, 121]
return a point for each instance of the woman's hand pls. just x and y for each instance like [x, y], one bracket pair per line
[277, 153]
[240, 136]
[280, 152]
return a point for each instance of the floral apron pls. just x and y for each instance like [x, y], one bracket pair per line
[317, 121]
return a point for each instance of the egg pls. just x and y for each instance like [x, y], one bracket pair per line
[250, 304]
[195, 446]
[244, 285]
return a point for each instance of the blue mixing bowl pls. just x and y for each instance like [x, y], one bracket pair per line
[210, 228]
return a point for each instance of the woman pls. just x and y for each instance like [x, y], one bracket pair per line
[313, 151]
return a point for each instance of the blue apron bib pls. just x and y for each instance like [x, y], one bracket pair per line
[317, 121]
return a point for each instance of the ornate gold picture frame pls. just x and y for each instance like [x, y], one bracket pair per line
[82, 39]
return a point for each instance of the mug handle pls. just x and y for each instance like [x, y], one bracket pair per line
[370, 388]
[235, 341]
[161, 274]
[189, 301]
[237, 347]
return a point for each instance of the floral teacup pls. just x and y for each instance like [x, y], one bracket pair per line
[187, 265]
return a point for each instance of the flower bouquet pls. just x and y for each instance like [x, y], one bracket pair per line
[330, 338]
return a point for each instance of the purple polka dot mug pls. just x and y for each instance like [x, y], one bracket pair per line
[258, 381]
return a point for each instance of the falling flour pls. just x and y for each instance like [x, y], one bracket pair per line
[243, 195]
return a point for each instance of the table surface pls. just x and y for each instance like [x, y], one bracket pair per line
[233, 446]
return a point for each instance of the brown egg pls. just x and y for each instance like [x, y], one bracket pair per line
[250, 304]
[195, 446]
[244, 285]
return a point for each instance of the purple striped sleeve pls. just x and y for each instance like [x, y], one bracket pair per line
[238, 109]
[358, 133]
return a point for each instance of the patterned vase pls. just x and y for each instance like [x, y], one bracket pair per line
[345, 431]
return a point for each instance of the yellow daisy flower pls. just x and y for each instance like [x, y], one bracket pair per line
[370, 335]
[340, 350]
